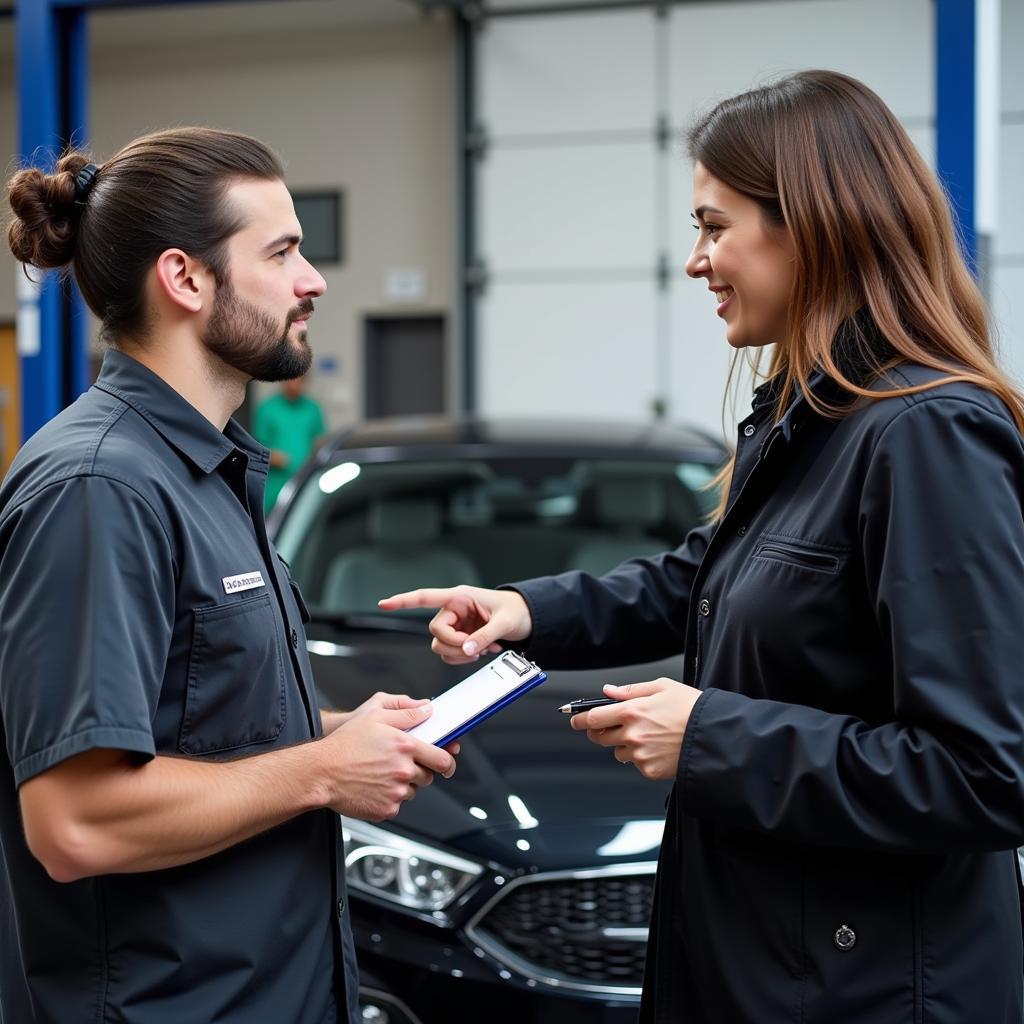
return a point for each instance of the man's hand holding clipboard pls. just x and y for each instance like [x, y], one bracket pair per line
[476, 698]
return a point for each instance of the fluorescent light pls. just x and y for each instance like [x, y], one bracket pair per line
[337, 476]
[328, 650]
[523, 816]
[634, 837]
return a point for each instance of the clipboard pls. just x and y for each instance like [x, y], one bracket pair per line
[477, 697]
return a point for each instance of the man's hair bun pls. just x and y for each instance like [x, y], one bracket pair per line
[45, 222]
[110, 223]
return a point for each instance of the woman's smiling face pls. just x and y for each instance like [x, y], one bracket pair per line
[748, 264]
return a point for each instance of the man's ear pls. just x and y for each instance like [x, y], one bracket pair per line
[184, 281]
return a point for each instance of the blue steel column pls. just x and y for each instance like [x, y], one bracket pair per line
[76, 89]
[955, 114]
[53, 95]
[38, 78]
[52, 77]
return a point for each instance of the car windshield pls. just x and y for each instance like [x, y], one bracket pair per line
[360, 530]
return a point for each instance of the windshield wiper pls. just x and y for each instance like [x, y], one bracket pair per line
[371, 621]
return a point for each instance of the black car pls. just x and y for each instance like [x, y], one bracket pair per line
[520, 889]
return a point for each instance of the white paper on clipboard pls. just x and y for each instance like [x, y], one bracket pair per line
[478, 697]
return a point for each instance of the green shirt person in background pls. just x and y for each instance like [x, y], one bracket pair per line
[289, 424]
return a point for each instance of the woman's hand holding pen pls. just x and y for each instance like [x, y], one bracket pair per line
[646, 726]
[471, 619]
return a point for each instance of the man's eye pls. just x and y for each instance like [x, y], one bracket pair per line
[282, 252]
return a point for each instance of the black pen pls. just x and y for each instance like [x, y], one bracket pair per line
[575, 706]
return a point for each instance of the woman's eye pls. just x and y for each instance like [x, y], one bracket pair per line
[711, 228]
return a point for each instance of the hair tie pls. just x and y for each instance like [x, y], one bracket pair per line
[84, 181]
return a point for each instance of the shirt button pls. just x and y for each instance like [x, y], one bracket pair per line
[704, 607]
[294, 639]
[341, 908]
[845, 938]
[748, 430]
[742, 530]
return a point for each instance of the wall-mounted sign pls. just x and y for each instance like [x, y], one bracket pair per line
[405, 284]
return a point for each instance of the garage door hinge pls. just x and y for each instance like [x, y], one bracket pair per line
[477, 141]
[477, 276]
[663, 271]
[662, 132]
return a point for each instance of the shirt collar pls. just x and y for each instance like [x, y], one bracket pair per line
[176, 420]
[767, 393]
[859, 349]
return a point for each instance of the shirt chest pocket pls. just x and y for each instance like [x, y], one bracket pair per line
[235, 693]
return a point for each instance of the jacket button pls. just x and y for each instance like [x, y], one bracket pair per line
[845, 938]
[704, 607]
[294, 639]
[742, 530]
[341, 908]
[748, 430]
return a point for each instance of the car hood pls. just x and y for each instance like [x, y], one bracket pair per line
[528, 792]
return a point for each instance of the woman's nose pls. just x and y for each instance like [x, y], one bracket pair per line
[698, 262]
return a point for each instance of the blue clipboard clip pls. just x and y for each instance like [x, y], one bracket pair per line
[473, 700]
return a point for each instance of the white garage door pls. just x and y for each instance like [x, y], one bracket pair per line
[583, 191]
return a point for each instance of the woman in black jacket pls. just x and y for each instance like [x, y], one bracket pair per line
[848, 740]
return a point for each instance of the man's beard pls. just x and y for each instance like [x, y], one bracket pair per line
[248, 339]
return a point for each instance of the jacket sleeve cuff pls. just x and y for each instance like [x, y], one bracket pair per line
[547, 614]
[685, 773]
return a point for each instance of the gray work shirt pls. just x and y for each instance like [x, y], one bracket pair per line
[143, 609]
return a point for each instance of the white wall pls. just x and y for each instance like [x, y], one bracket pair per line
[1007, 283]
[364, 108]
[577, 201]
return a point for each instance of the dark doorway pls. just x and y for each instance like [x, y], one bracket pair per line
[404, 365]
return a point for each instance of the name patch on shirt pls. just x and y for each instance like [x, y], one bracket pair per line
[246, 581]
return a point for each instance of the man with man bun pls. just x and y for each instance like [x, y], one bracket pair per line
[169, 788]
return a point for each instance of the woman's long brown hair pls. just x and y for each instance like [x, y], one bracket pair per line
[828, 161]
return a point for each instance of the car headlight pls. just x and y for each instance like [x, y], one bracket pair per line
[391, 867]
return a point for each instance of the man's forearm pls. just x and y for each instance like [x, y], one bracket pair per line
[331, 720]
[101, 812]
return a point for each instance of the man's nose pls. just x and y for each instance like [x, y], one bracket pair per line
[310, 284]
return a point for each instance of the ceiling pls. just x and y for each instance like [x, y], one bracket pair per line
[194, 22]
[181, 23]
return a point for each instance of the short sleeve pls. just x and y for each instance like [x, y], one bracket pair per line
[87, 600]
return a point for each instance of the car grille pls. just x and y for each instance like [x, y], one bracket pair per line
[583, 932]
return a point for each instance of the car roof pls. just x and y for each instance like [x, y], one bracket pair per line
[497, 436]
